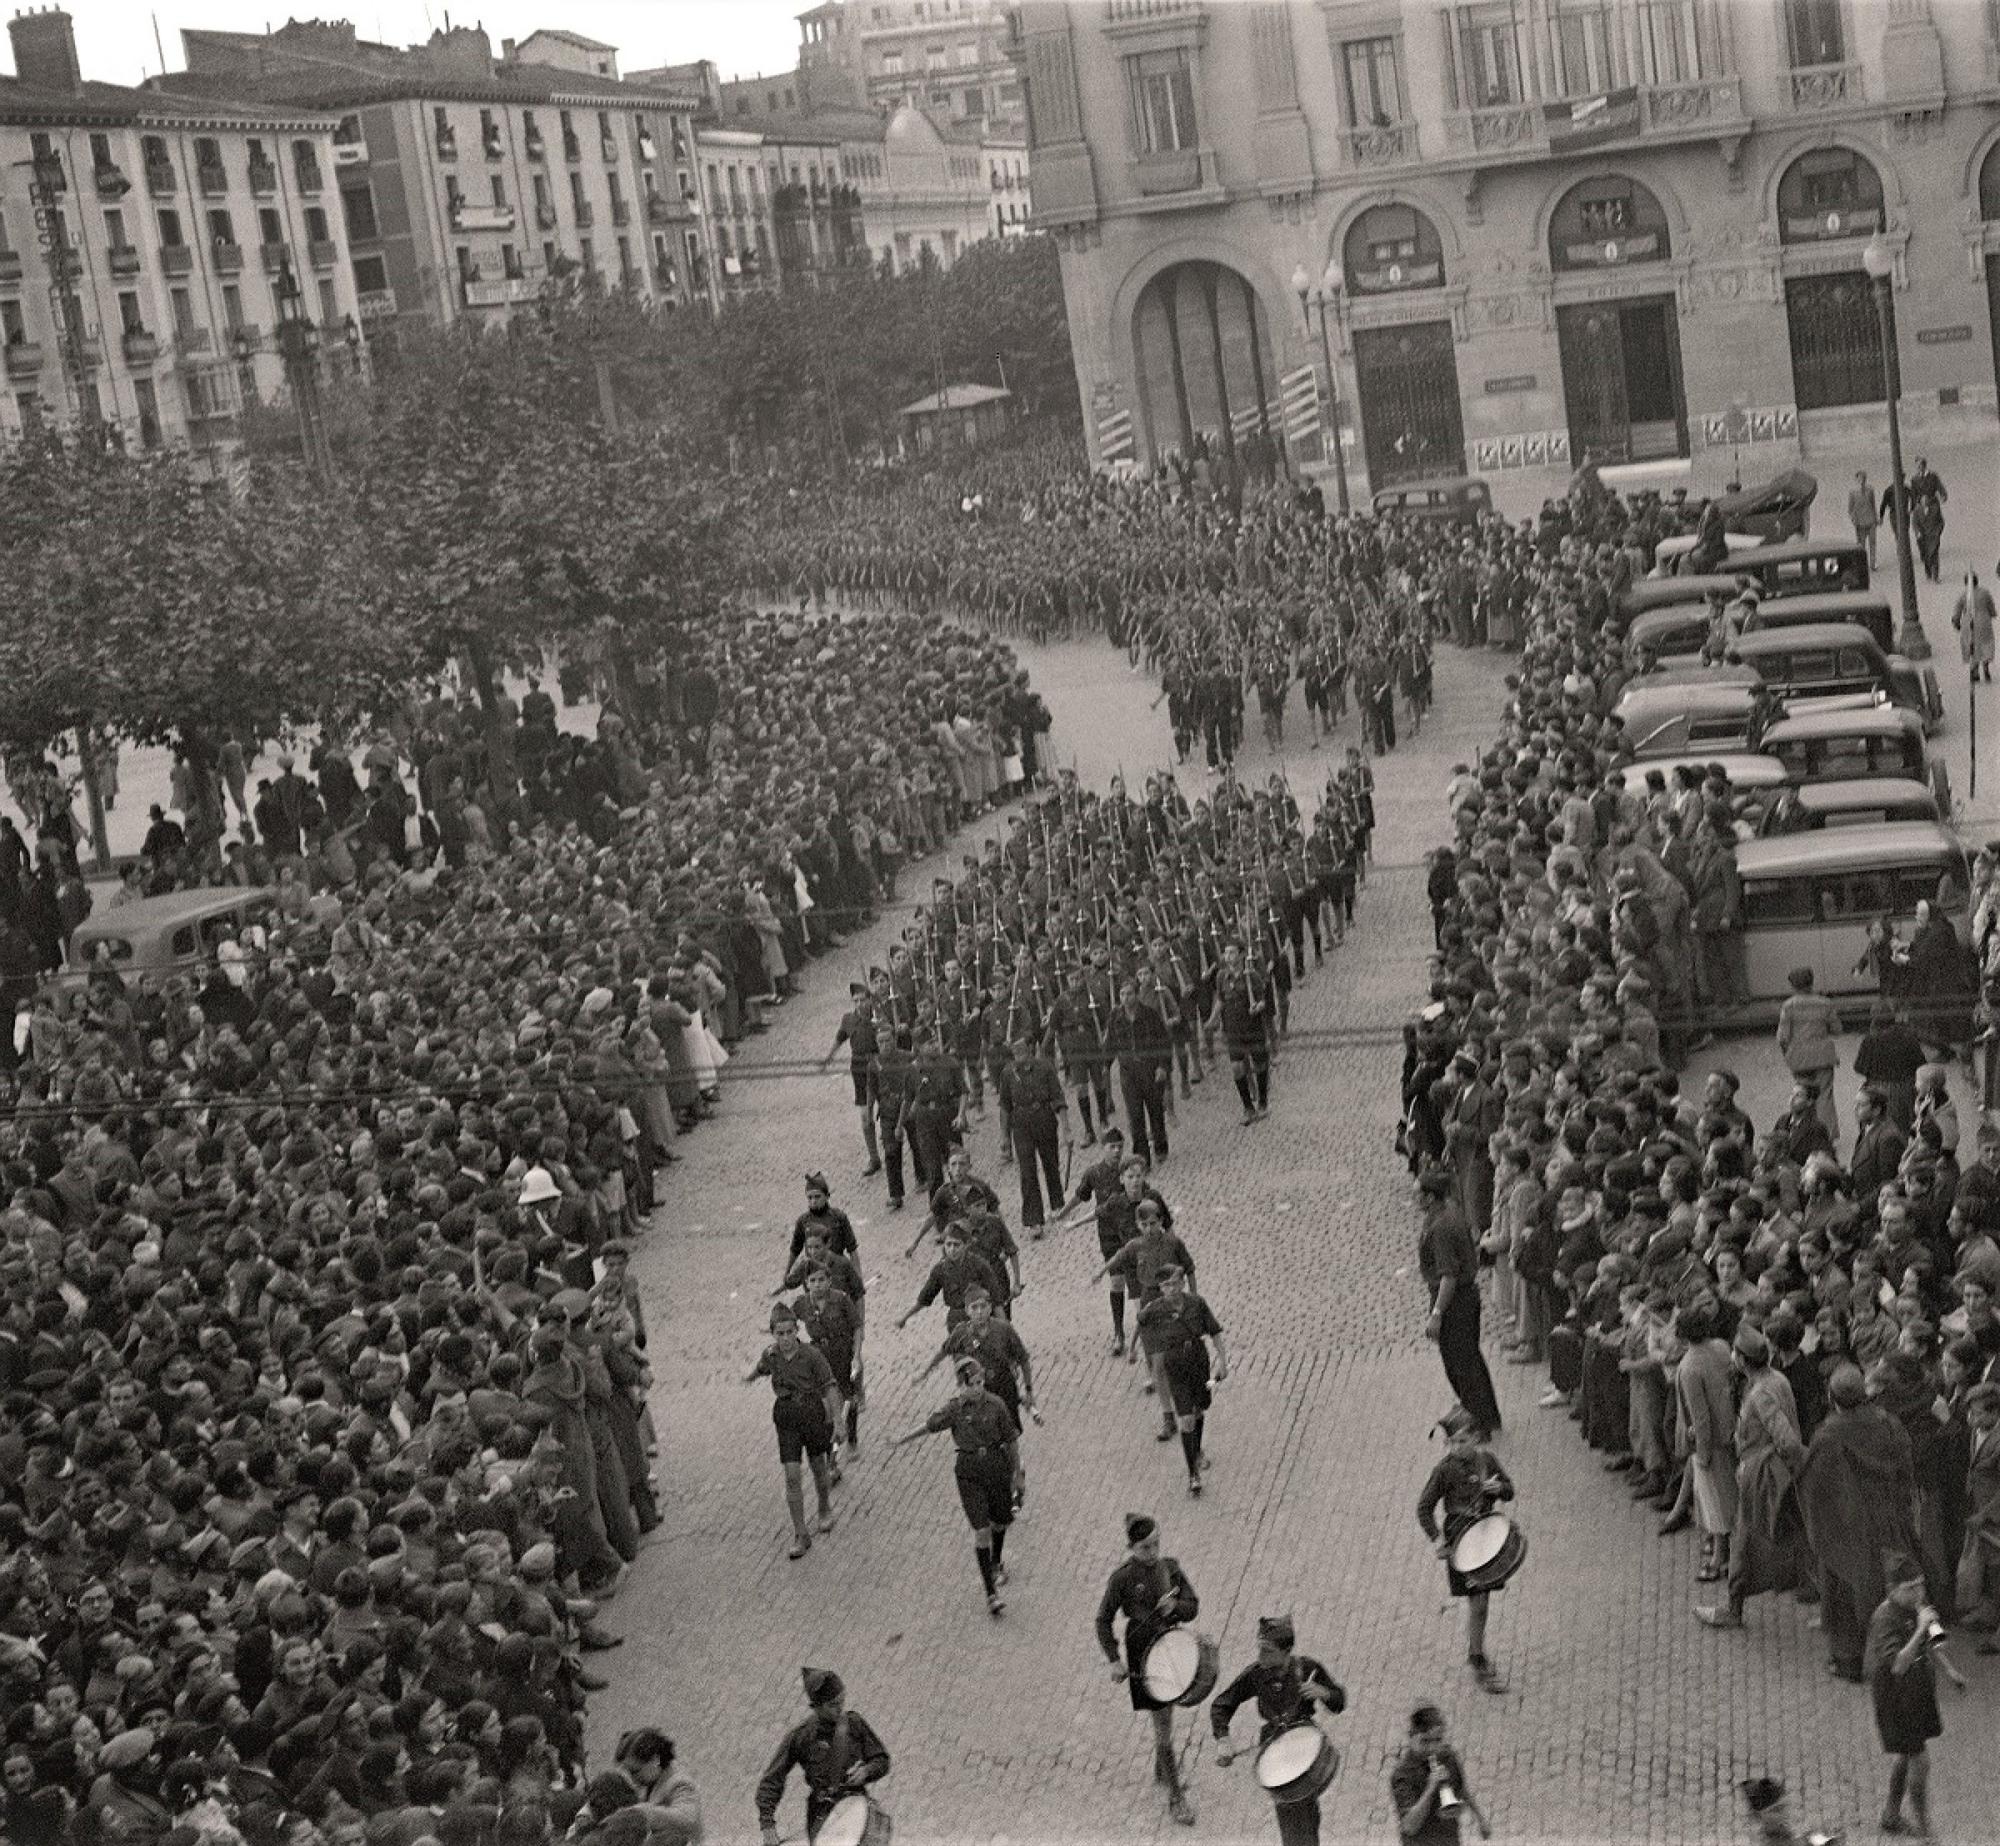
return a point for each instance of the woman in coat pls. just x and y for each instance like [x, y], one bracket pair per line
[1767, 1535]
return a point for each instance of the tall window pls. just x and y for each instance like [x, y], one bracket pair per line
[1814, 33]
[1163, 101]
[1489, 48]
[1373, 83]
[359, 204]
[1670, 37]
[1581, 41]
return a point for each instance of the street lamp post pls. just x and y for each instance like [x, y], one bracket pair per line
[1880, 263]
[298, 347]
[1325, 295]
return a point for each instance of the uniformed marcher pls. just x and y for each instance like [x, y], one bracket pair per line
[834, 1324]
[1178, 1327]
[802, 1383]
[986, 1437]
[1464, 1487]
[1152, 1594]
[1137, 1263]
[998, 1347]
[957, 1270]
[1038, 1114]
[895, 1093]
[835, 1749]
[846, 1276]
[820, 1211]
[864, 1047]
[1286, 1685]
[1448, 1261]
[1243, 999]
[957, 1193]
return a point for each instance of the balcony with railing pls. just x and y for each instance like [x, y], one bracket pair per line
[263, 177]
[447, 143]
[492, 146]
[228, 257]
[1825, 86]
[621, 211]
[322, 252]
[272, 254]
[536, 148]
[245, 340]
[10, 266]
[141, 347]
[545, 216]
[123, 259]
[469, 217]
[1183, 175]
[586, 214]
[306, 166]
[161, 179]
[66, 260]
[607, 145]
[24, 358]
[213, 177]
[1381, 144]
[111, 180]
[350, 149]
[1136, 15]
[176, 259]
[572, 149]
[192, 342]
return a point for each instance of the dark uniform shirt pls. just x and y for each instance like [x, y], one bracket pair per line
[803, 1373]
[1140, 1260]
[839, 1228]
[833, 1323]
[998, 1349]
[846, 1278]
[978, 1421]
[1459, 1485]
[1407, 1782]
[1445, 1248]
[1035, 1092]
[1134, 1591]
[952, 1276]
[1280, 1692]
[1173, 1330]
[825, 1752]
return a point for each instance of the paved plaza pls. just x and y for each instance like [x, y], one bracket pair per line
[1624, 1720]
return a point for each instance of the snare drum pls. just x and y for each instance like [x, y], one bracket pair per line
[854, 1820]
[1181, 1668]
[1297, 1765]
[1488, 1552]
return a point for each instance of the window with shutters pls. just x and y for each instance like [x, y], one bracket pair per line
[1162, 90]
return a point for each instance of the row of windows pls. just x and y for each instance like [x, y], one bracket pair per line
[218, 222]
[184, 312]
[163, 174]
[492, 135]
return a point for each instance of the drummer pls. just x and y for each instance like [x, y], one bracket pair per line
[1466, 1484]
[1153, 1594]
[985, 1434]
[1286, 1686]
[836, 1749]
[1178, 1327]
[1010, 1376]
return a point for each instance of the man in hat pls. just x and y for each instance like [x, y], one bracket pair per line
[1900, 1663]
[1448, 1260]
[1465, 1486]
[1428, 1786]
[836, 1750]
[1000, 1350]
[1286, 1685]
[803, 1388]
[984, 1435]
[1152, 1594]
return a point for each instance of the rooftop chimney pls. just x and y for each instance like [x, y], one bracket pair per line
[45, 51]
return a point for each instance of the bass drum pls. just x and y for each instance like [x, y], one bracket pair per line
[854, 1821]
[1181, 1668]
[1298, 1764]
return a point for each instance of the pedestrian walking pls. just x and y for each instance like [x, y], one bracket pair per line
[1448, 1259]
[1972, 615]
[1863, 513]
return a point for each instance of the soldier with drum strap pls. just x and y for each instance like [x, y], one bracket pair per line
[1466, 1484]
[839, 1755]
[1154, 1596]
[1286, 1685]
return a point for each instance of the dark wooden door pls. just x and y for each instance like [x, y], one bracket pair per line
[1411, 422]
[1591, 339]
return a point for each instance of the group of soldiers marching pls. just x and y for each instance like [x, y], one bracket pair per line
[1103, 937]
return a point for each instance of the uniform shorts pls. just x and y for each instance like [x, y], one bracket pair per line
[864, 1087]
[803, 1428]
[986, 1488]
[1187, 1381]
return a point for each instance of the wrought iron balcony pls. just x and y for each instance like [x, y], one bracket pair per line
[24, 358]
[141, 347]
[176, 259]
[263, 177]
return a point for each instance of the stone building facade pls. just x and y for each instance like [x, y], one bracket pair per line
[1630, 225]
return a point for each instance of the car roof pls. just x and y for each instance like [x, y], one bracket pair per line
[1864, 792]
[1744, 768]
[1666, 592]
[1879, 719]
[1431, 483]
[1789, 635]
[1846, 849]
[1828, 605]
[168, 911]
[1664, 695]
[1786, 548]
[1662, 617]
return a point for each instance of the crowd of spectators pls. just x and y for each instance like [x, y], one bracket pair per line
[1782, 1335]
[323, 1428]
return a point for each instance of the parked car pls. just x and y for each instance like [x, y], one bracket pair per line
[154, 938]
[1818, 659]
[1456, 500]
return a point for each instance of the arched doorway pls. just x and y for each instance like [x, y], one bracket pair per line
[1621, 358]
[1202, 355]
[1405, 372]
[1832, 195]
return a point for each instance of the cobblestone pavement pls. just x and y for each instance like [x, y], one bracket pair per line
[1625, 1719]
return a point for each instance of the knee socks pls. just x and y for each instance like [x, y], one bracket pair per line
[999, 1545]
[1243, 1090]
[1191, 1445]
[1118, 1312]
[985, 1557]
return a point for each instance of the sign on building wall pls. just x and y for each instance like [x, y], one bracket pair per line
[1114, 426]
